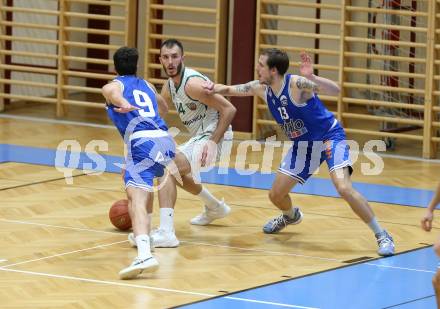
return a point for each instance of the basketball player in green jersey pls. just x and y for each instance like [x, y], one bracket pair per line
[208, 119]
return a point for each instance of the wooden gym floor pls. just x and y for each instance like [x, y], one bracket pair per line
[60, 250]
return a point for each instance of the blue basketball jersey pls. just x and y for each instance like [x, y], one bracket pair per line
[308, 121]
[138, 93]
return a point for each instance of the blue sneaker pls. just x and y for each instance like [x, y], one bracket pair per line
[277, 224]
[385, 243]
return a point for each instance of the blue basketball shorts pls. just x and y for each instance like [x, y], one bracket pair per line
[304, 157]
[148, 154]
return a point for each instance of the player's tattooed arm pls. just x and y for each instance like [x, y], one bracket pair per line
[249, 89]
[246, 89]
[304, 84]
[317, 84]
[309, 82]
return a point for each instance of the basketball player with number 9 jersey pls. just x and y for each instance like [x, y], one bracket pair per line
[132, 105]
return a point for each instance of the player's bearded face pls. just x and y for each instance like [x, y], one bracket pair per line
[171, 60]
[173, 70]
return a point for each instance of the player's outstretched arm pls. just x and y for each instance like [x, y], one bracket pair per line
[113, 94]
[242, 90]
[195, 89]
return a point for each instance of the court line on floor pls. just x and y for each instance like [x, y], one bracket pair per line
[70, 122]
[300, 277]
[268, 303]
[234, 204]
[3, 260]
[401, 268]
[199, 243]
[259, 207]
[182, 241]
[61, 227]
[249, 206]
[188, 242]
[184, 134]
[57, 121]
[65, 253]
[217, 245]
[316, 186]
[149, 288]
[42, 181]
[409, 302]
[264, 251]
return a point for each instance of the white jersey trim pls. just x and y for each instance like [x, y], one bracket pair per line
[339, 166]
[288, 173]
[120, 83]
[148, 133]
[335, 122]
[150, 87]
[138, 185]
[282, 87]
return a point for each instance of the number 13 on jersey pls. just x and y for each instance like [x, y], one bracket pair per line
[283, 112]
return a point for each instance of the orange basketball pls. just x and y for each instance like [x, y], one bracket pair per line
[119, 215]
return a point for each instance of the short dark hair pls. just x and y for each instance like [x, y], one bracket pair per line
[278, 59]
[172, 42]
[125, 60]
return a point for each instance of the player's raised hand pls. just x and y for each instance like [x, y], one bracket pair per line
[208, 86]
[306, 65]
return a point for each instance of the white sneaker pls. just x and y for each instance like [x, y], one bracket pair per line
[139, 266]
[132, 242]
[385, 243]
[162, 239]
[209, 215]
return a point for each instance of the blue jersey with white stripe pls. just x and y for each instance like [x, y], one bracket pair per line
[308, 121]
[138, 93]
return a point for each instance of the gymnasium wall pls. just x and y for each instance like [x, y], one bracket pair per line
[390, 86]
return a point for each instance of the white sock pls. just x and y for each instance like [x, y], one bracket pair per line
[210, 201]
[167, 219]
[143, 246]
[375, 227]
[290, 213]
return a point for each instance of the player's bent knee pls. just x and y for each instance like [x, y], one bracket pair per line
[182, 164]
[275, 196]
[344, 190]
